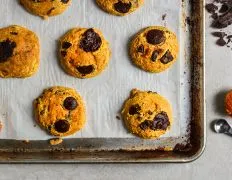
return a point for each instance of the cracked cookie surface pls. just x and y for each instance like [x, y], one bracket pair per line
[84, 53]
[154, 49]
[46, 8]
[147, 114]
[120, 7]
[19, 52]
[60, 111]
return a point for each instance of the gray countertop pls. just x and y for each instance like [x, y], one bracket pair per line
[215, 163]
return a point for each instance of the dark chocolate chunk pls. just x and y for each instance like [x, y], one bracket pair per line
[65, 1]
[145, 124]
[122, 7]
[211, 8]
[70, 103]
[161, 121]
[221, 42]
[219, 34]
[154, 55]
[155, 37]
[63, 53]
[140, 49]
[167, 58]
[134, 109]
[62, 126]
[84, 70]
[224, 8]
[6, 50]
[90, 41]
[50, 11]
[223, 20]
[14, 33]
[66, 45]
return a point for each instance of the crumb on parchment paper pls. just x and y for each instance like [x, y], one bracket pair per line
[26, 141]
[55, 141]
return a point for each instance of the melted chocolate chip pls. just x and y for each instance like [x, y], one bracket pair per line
[145, 124]
[167, 57]
[154, 55]
[84, 70]
[70, 103]
[161, 121]
[6, 50]
[90, 41]
[122, 7]
[134, 109]
[155, 37]
[50, 11]
[62, 126]
[63, 53]
[66, 45]
[140, 49]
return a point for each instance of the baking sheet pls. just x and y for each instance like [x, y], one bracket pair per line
[105, 94]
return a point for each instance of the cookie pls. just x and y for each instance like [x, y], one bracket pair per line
[154, 49]
[120, 7]
[60, 110]
[84, 53]
[46, 8]
[19, 52]
[147, 114]
[228, 103]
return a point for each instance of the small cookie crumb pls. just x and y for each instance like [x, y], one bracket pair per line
[118, 117]
[55, 141]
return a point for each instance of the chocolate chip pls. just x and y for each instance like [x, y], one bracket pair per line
[154, 55]
[223, 20]
[84, 70]
[155, 37]
[221, 42]
[50, 11]
[167, 57]
[70, 103]
[6, 50]
[224, 8]
[62, 126]
[65, 1]
[66, 45]
[219, 34]
[145, 124]
[63, 53]
[140, 49]
[90, 41]
[161, 121]
[122, 7]
[211, 8]
[14, 33]
[134, 109]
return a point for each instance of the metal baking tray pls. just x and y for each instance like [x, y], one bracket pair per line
[94, 150]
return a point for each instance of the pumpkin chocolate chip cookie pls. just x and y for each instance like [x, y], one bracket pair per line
[147, 114]
[60, 110]
[120, 7]
[154, 49]
[46, 8]
[84, 52]
[19, 52]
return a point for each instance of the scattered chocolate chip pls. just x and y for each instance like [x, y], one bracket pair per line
[6, 50]
[66, 45]
[219, 34]
[90, 41]
[211, 8]
[134, 109]
[84, 70]
[140, 48]
[224, 8]
[161, 121]
[221, 42]
[70, 103]
[154, 55]
[65, 1]
[150, 112]
[122, 7]
[62, 126]
[155, 37]
[145, 124]
[164, 16]
[167, 57]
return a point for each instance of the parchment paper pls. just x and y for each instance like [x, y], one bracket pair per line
[105, 94]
